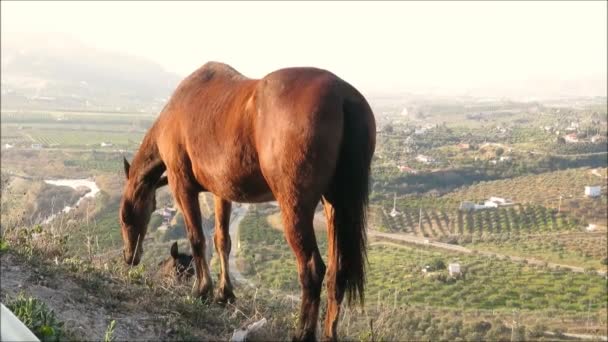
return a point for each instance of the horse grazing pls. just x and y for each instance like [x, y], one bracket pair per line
[177, 266]
[297, 136]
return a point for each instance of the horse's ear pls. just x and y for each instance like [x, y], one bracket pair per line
[174, 251]
[127, 166]
[162, 182]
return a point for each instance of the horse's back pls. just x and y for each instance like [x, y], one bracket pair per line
[241, 136]
[299, 127]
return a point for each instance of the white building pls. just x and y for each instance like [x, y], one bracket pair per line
[106, 144]
[499, 200]
[593, 191]
[467, 205]
[591, 227]
[394, 212]
[490, 204]
[454, 269]
[424, 159]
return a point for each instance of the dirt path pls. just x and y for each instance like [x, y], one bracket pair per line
[565, 155]
[456, 248]
[597, 173]
[237, 216]
[85, 313]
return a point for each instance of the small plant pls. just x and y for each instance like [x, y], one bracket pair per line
[3, 245]
[37, 317]
[109, 336]
[137, 274]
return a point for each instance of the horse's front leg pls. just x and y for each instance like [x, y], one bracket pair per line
[187, 199]
[222, 246]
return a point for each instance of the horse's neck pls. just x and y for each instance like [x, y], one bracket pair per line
[147, 167]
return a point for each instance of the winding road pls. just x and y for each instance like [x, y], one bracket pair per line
[237, 216]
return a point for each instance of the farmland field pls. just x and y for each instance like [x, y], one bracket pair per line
[83, 138]
[545, 189]
[514, 220]
[74, 129]
[587, 250]
[488, 283]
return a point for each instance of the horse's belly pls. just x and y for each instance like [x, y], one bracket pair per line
[251, 196]
[251, 188]
[254, 198]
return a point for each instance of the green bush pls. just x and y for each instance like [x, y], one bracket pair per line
[37, 317]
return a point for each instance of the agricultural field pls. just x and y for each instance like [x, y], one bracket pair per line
[396, 277]
[530, 287]
[87, 130]
[63, 138]
[545, 189]
[586, 250]
[512, 221]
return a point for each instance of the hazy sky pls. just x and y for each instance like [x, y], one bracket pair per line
[377, 46]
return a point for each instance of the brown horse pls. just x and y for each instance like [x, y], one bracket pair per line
[297, 136]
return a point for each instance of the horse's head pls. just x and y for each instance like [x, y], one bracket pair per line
[136, 206]
[178, 265]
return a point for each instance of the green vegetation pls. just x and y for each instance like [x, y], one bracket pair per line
[74, 129]
[496, 223]
[109, 336]
[395, 275]
[37, 317]
[485, 284]
[76, 138]
[587, 250]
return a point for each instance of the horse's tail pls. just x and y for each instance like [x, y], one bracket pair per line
[351, 195]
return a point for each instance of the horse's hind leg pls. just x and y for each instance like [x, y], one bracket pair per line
[335, 279]
[222, 246]
[297, 221]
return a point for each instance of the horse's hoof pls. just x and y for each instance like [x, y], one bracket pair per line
[205, 294]
[329, 339]
[304, 337]
[224, 296]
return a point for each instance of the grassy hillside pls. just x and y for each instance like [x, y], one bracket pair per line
[87, 295]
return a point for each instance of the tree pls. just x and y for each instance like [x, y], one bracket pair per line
[388, 128]
[437, 264]
[155, 221]
[499, 151]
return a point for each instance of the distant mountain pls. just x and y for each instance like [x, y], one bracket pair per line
[56, 71]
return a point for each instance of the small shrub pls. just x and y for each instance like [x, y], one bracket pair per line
[37, 317]
[137, 274]
[3, 245]
[109, 335]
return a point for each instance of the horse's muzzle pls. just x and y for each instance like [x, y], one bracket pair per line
[132, 259]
